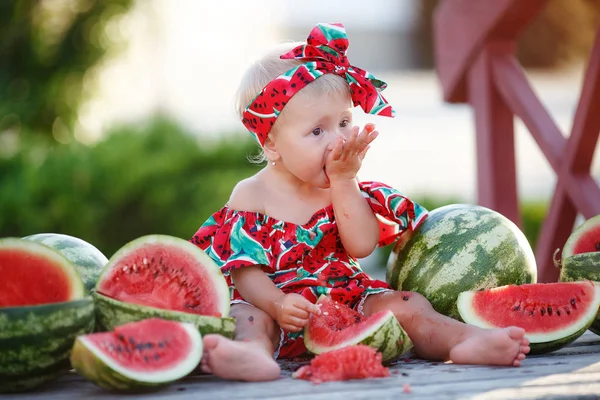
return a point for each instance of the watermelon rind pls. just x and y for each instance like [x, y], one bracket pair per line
[576, 236]
[460, 247]
[581, 267]
[539, 343]
[384, 334]
[111, 313]
[36, 341]
[218, 281]
[88, 260]
[53, 256]
[95, 365]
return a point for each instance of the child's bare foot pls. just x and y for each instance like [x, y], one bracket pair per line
[506, 346]
[243, 361]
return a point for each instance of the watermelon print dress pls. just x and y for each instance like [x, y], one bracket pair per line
[308, 259]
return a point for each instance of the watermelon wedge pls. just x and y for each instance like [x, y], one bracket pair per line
[584, 239]
[168, 273]
[149, 353]
[339, 326]
[552, 314]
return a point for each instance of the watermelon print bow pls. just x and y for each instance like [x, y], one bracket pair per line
[324, 53]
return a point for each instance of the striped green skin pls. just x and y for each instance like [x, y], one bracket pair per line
[36, 341]
[581, 267]
[458, 248]
[111, 312]
[88, 260]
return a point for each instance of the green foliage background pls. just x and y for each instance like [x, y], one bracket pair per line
[141, 179]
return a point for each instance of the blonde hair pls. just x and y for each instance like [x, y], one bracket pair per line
[269, 67]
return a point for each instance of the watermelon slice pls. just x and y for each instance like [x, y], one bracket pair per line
[339, 326]
[585, 239]
[168, 273]
[552, 314]
[149, 353]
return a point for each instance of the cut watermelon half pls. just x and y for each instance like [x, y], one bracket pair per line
[552, 314]
[166, 272]
[152, 352]
[585, 239]
[33, 274]
[339, 326]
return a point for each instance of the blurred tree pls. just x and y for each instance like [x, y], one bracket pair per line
[46, 49]
[562, 33]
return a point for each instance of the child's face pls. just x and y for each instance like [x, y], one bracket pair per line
[307, 132]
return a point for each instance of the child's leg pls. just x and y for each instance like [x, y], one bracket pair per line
[249, 357]
[437, 337]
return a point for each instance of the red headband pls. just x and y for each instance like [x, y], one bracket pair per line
[324, 52]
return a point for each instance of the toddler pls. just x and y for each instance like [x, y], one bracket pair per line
[295, 229]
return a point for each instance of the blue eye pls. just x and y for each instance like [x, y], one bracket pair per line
[317, 131]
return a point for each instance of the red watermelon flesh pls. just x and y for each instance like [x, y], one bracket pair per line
[33, 274]
[589, 242]
[166, 273]
[544, 310]
[145, 346]
[352, 362]
[585, 239]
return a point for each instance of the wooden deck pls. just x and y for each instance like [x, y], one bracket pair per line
[572, 372]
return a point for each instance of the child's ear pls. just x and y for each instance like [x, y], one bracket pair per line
[270, 149]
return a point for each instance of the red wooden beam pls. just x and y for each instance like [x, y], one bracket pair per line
[575, 184]
[496, 167]
[462, 27]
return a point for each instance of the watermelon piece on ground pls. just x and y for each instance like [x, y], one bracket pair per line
[87, 259]
[460, 247]
[138, 355]
[111, 313]
[352, 362]
[339, 326]
[552, 314]
[166, 272]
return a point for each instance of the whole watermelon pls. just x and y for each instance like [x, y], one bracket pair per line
[460, 247]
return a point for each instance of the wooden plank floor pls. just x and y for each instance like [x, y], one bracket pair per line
[571, 372]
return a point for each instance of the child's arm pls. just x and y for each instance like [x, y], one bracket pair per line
[290, 311]
[357, 224]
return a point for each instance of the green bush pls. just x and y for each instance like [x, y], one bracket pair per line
[142, 179]
[139, 180]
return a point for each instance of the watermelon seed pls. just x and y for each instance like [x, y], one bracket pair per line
[125, 268]
[161, 345]
[543, 311]
[531, 313]
[251, 318]
[145, 261]
[517, 308]
[558, 312]
[156, 357]
[597, 246]
[132, 341]
[573, 303]
[405, 298]
[549, 310]
[121, 338]
[568, 311]
[146, 359]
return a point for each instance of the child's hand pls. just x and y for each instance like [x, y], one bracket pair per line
[293, 311]
[344, 161]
